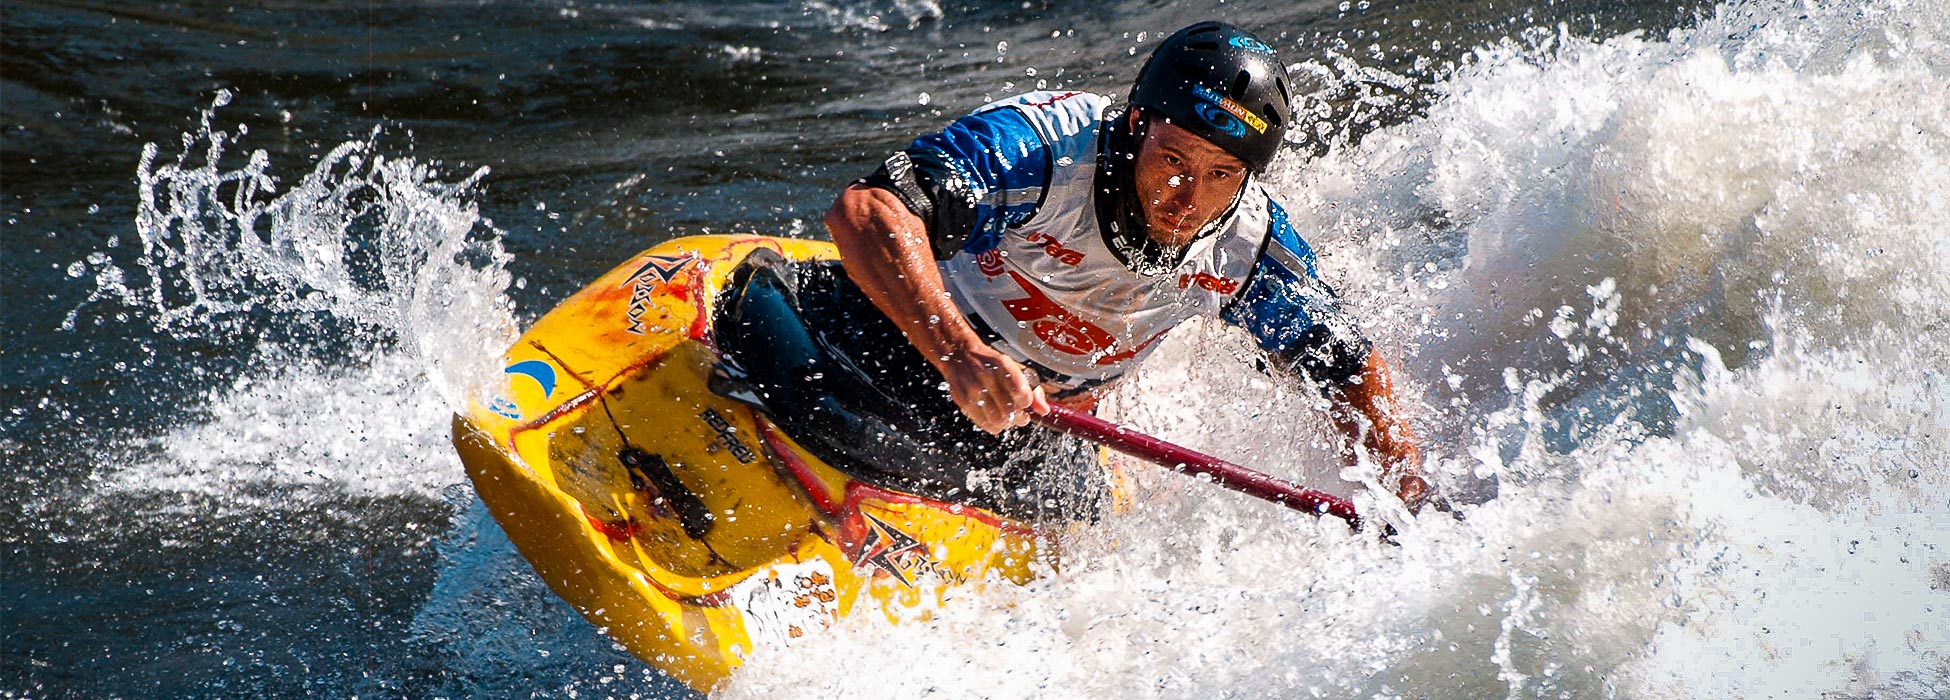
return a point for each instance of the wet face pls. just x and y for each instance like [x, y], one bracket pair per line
[1184, 182]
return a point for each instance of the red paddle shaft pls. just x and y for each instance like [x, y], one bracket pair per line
[1229, 475]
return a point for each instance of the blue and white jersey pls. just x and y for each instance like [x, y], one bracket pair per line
[1009, 198]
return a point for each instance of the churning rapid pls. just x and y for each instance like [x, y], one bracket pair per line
[1670, 292]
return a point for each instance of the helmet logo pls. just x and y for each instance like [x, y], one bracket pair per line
[1224, 114]
[1250, 44]
[1221, 120]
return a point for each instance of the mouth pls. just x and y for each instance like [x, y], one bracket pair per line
[1171, 224]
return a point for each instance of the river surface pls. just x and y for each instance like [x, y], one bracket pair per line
[1667, 287]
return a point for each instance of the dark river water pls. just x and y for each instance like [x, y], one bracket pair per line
[1666, 278]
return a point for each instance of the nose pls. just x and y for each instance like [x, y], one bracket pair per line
[1180, 193]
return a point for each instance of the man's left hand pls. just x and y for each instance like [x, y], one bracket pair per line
[1414, 492]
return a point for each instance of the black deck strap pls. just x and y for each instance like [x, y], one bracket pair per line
[692, 514]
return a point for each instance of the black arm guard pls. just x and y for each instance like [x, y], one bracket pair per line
[1332, 360]
[931, 191]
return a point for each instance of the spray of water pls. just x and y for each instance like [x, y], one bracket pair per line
[368, 296]
[1678, 302]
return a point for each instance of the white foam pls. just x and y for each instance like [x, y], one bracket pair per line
[265, 442]
[386, 273]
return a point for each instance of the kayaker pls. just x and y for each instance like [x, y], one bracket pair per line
[1037, 249]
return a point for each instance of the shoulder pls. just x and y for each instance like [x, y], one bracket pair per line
[1055, 116]
[1285, 248]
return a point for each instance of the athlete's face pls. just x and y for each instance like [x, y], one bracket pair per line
[1184, 182]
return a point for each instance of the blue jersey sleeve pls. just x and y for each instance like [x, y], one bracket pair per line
[995, 167]
[971, 181]
[1294, 316]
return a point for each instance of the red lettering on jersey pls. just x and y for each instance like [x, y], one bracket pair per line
[1052, 100]
[1117, 357]
[1055, 249]
[1209, 282]
[1062, 329]
[989, 262]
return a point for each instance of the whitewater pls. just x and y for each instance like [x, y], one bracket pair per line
[1672, 311]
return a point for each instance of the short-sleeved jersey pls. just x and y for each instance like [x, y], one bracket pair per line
[1008, 195]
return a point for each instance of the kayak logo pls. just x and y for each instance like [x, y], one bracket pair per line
[1209, 282]
[899, 554]
[1054, 248]
[727, 436]
[544, 375]
[1061, 329]
[657, 270]
[783, 605]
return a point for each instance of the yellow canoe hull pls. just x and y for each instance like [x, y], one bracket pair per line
[686, 525]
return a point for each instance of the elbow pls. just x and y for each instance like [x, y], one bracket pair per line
[852, 213]
[837, 219]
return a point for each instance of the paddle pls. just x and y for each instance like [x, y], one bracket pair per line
[1177, 458]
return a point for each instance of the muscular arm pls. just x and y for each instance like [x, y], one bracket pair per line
[1370, 403]
[885, 250]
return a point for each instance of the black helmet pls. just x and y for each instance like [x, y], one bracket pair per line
[1222, 83]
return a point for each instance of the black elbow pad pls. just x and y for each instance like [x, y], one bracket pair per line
[932, 192]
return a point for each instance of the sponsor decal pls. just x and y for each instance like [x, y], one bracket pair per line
[899, 554]
[657, 270]
[1224, 114]
[1209, 282]
[1054, 248]
[1250, 44]
[989, 262]
[728, 435]
[782, 604]
[544, 375]
[1061, 329]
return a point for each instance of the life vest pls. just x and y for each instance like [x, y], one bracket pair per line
[1051, 289]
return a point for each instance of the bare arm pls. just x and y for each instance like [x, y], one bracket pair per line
[1388, 437]
[885, 250]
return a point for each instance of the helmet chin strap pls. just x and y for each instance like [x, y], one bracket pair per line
[1120, 207]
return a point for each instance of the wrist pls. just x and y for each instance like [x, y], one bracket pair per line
[944, 336]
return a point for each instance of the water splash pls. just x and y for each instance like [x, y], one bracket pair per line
[364, 252]
[367, 298]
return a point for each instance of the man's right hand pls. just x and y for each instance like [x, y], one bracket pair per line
[886, 251]
[992, 389]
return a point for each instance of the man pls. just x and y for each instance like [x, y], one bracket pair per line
[1038, 249]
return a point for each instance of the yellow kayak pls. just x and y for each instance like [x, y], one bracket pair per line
[685, 524]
